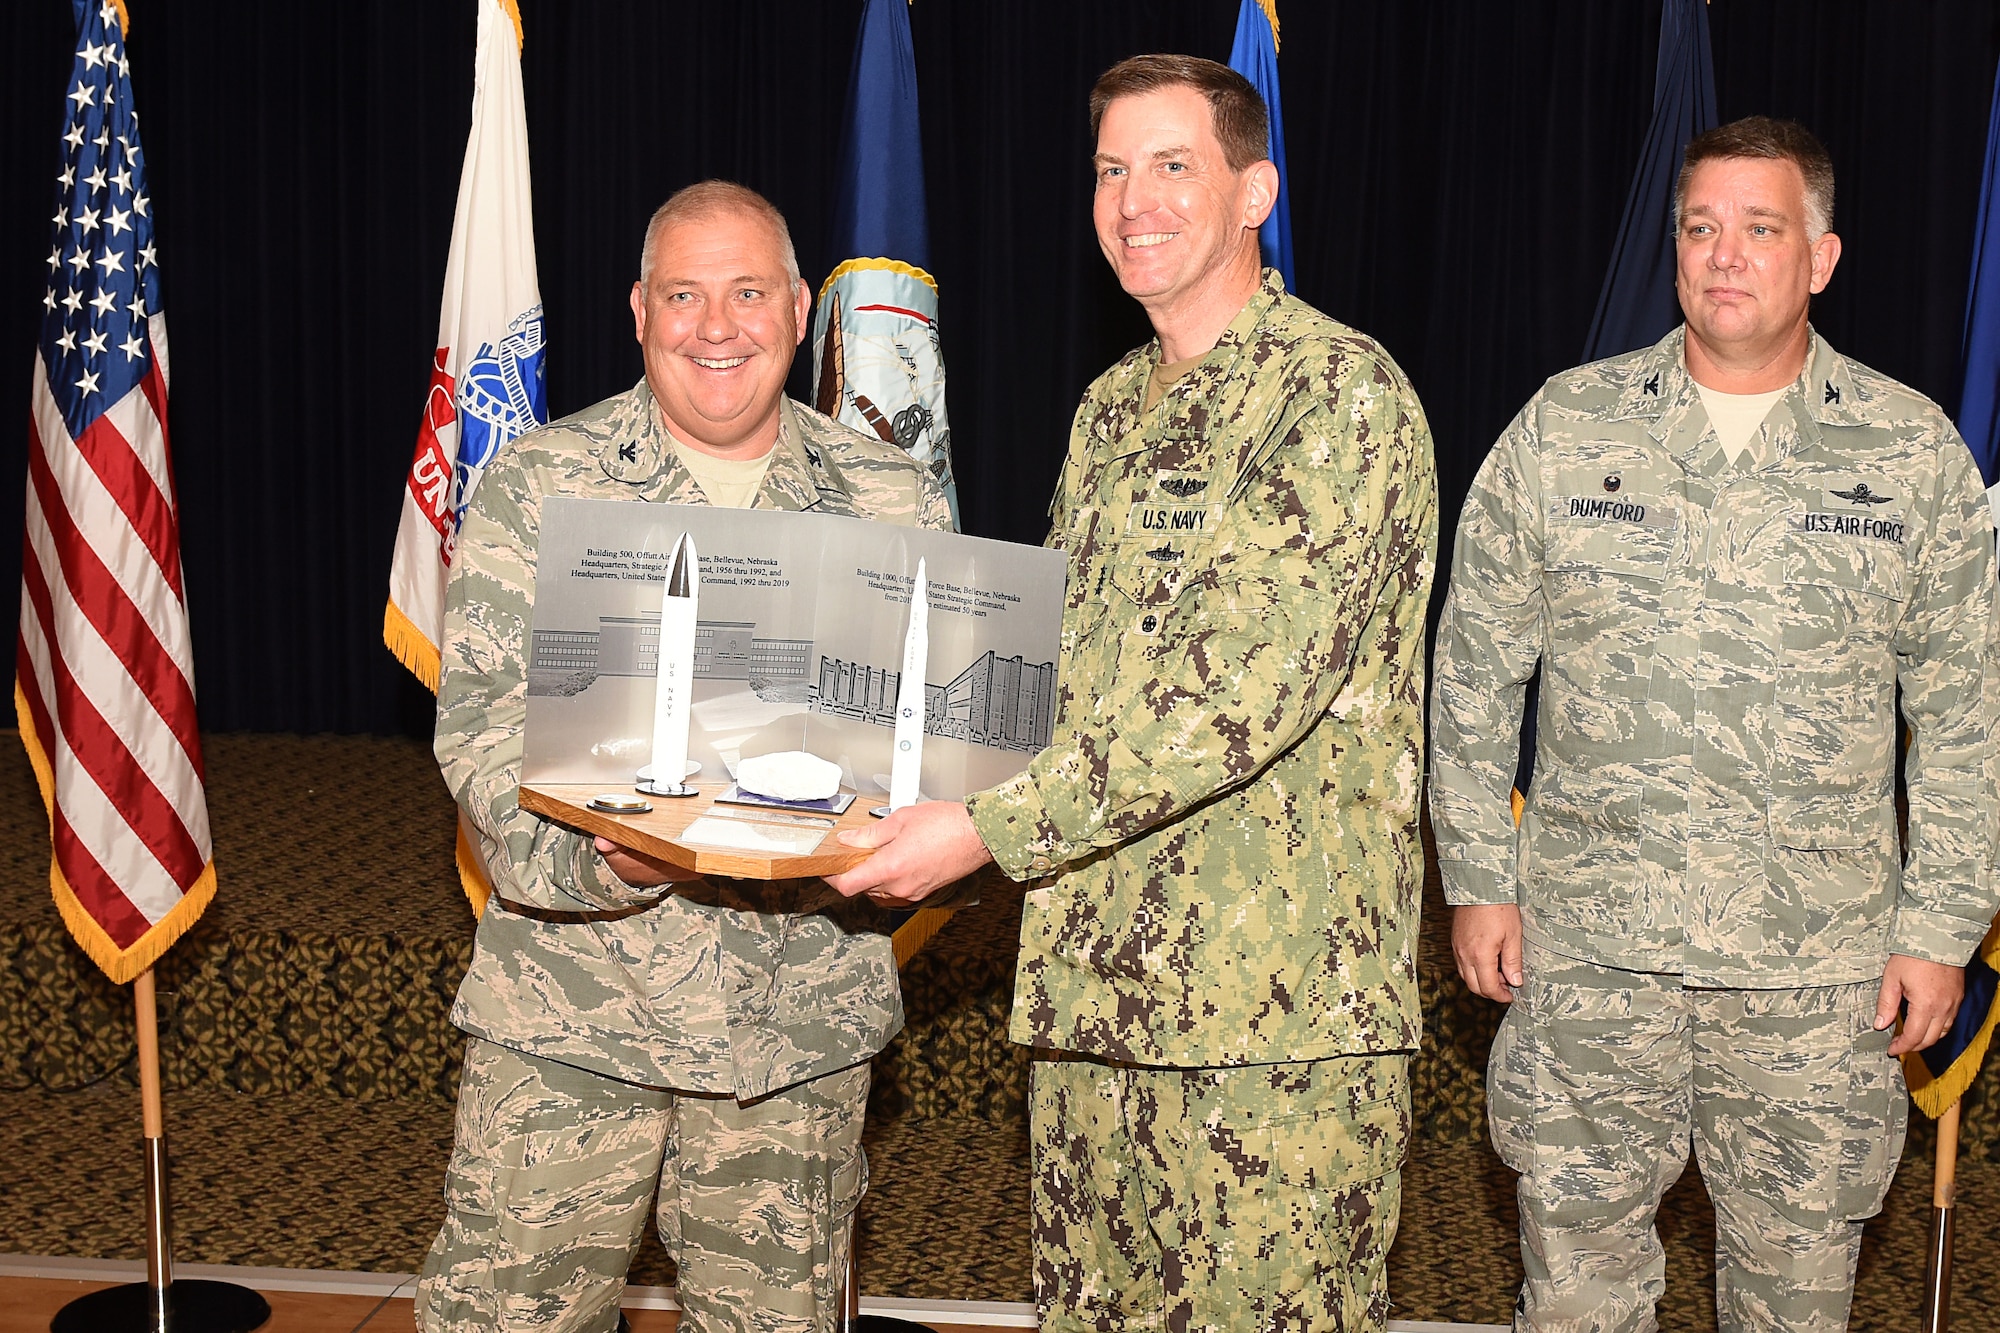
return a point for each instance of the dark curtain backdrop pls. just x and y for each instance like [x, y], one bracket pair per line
[1458, 170]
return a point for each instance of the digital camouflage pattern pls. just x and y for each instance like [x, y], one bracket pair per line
[1252, 1197]
[553, 1170]
[1229, 810]
[1598, 1078]
[717, 986]
[1721, 647]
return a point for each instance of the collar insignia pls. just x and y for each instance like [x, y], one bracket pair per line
[629, 451]
[1833, 396]
[1861, 495]
[1652, 384]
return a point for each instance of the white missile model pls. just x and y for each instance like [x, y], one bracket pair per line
[907, 764]
[675, 690]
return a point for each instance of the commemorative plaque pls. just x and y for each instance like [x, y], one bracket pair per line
[802, 631]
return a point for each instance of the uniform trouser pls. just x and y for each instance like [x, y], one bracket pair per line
[1248, 1197]
[1599, 1078]
[554, 1169]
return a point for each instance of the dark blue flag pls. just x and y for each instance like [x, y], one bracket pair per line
[1254, 55]
[879, 363]
[1979, 403]
[1637, 305]
[1939, 1075]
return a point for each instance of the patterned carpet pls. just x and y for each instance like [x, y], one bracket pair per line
[311, 1072]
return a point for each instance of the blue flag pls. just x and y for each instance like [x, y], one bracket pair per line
[1940, 1075]
[1254, 55]
[1637, 305]
[1979, 402]
[879, 362]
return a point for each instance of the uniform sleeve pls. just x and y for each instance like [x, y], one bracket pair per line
[1341, 508]
[483, 709]
[1945, 654]
[933, 509]
[1488, 642]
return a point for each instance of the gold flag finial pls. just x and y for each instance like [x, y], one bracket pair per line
[514, 13]
[1270, 8]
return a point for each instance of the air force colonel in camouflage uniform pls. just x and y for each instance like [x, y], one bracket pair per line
[705, 1041]
[1216, 955]
[1728, 552]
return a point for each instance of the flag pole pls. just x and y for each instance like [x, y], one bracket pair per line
[1944, 1191]
[159, 1236]
[159, 1304]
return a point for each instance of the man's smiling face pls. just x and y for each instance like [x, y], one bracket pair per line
[1169, 210]
[719, 320]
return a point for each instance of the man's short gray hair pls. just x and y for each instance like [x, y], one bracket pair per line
[1773, 140]
[708, 199]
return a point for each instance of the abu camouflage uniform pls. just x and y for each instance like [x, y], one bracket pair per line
[724, 1024]
[1225, 831]
[1707, 867]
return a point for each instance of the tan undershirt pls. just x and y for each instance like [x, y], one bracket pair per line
[1735, 417]
[729, 483]
[1164, 376]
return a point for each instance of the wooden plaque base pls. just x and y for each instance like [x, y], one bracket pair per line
[661, 831]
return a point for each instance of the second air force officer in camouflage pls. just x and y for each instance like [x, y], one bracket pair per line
[699, 1049]
[1729, 553]
[1217, 947]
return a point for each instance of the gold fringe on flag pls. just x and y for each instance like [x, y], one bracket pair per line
[472, 871]
[411, 647]
[1934, 1095]
[885, 265]
[124, 19]
[520, 38]
[122, 965]
[1270, 8]
[914, 934]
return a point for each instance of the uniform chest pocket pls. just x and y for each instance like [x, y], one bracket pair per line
[1842, 600]
[1832, 721]
[1604, 582]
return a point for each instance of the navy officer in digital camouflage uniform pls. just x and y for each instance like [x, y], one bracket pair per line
[697, 1048]
[1730, 553]
[1217, 951]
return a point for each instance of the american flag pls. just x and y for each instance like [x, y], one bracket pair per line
[104, 683]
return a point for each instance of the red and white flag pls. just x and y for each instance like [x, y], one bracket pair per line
[104, 683]
[486, 374]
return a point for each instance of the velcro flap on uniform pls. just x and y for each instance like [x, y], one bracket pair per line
[1335, 1148]
[1618, 536]
[1828, 821]
[1840, 558]
[1563, 793]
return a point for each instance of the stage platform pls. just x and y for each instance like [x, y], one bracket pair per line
[310, 1073]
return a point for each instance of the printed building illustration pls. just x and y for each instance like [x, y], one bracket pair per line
[630, 646]
[998, 702]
